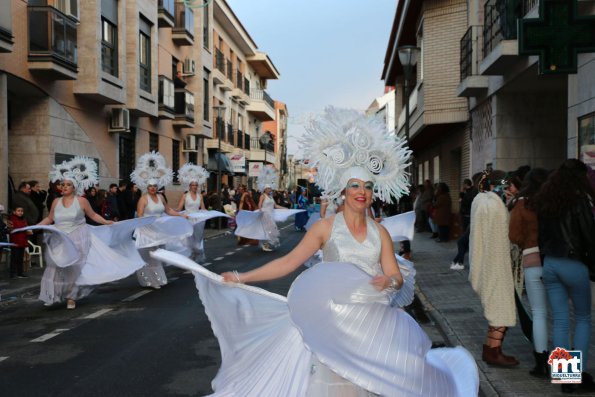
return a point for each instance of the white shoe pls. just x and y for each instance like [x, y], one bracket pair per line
[456, 266]
[266, 248]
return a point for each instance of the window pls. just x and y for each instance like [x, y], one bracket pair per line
[109, 37]
[586, 139]
[205, 90]
[145, 54]
[174, 67]
[127, 154]
[436, 163]
[193, 157]
[153, 142]
[175, 158]
[68, 7]
[205, 29]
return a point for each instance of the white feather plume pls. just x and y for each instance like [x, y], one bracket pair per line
[81, 170]
[189, 173]
[268, 178]
[151, 168]
[341, 138]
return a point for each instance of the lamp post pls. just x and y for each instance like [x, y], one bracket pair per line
[220, 113]
[408, 58]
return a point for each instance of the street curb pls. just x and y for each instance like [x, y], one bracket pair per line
[486, 389]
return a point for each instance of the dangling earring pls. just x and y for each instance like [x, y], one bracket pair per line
[343, 197]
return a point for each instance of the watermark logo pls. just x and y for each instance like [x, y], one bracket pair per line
[566, 365]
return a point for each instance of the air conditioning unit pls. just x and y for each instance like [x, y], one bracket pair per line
[119, 120]
[189, 67]
[191, 143]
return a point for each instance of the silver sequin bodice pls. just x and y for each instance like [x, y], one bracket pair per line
[343, 247]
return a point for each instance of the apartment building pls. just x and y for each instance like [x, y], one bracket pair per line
[239, 76]
[277, 131]
[438, 118]
[384, 107]
[114, 79]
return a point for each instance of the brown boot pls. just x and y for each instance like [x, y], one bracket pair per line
[494, 355]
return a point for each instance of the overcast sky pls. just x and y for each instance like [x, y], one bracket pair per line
[329, 52]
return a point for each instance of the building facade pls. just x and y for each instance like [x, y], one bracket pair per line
[277, 130]
[114, 79]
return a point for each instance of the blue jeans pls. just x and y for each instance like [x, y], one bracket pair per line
[538, 301]
[567, 278]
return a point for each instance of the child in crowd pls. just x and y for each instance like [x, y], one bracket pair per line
[17, 252]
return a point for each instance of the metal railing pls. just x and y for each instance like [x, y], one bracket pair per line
[239, 140]
[246, 141]
[52, 35]
[500, 23]
[247, 86]
[229, 70]
[471, 46]
[230, 134]
[219, 61]
[255, 144]
[239, 79]
[262, 96]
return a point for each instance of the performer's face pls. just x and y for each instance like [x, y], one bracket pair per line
[67, 187]
[194, 187]
[152, 189]
[358, 193]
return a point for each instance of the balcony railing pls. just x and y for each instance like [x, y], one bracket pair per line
[255, 144]
[52, 36]
[184, 20]
[230, 134]
[262, 96]
[500, 23]
[471, 46]
[219, 61]
[239, 80]
[184, 104]
[167, 7]
[239, 140]
[247, 86]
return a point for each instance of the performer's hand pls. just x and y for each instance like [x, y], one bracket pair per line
[109, 223]
[230, 277]
[381, 282]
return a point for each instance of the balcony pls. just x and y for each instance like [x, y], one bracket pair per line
[246, 141]
[166, 11]
[259, 152]
[219, 75]
[500, 45]
[52, 42]
[239, 139]
[261, 105]
[229, 138]
[472, 84]
[167, 98]
[184, 108]
[183, 30]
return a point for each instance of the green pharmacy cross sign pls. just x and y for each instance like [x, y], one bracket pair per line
[557, 36]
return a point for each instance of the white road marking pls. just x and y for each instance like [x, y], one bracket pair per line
[3, 358]
[218, 259]
[98, 313]
[45, 337]
[173, 278]
[136, 296]
[207, 264]
[229, 253]
[239, 249]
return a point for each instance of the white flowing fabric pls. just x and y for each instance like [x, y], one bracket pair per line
[60, 249]
[265, 354]
[7, 245]
[250, 224]
[315, 217]
[164, 229]
[193, 246]
[400, 227]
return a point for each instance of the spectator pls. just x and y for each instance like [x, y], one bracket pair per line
[54, 192]
[3, 230]
[302, 218]
[121, 200]
[425, 204]
[567, 241]
[468, 193]
[17, 252]
[467, 196]
[522, 231]
[38, 196]
[91, 196]
[111, 204]
[442, 212]
[22, 199]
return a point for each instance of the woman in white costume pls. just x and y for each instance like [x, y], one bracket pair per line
[335, 334]
[68, 215]
[151, 174]
[266, 182]
[191, 201]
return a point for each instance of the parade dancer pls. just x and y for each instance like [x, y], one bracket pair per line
[335, 334]
[151, 174]
[267, 182]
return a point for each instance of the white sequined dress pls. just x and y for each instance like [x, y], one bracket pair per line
[152, 274]
[268, 221]
[196, 241]
[333, 336]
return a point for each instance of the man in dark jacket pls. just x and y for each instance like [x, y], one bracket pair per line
[22, 199]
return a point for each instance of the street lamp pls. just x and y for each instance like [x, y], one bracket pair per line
[408, 58]
[220, 113]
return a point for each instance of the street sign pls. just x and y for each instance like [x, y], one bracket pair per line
[557, 36]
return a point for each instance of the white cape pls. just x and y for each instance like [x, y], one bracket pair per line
[194, 244]
[251, 225]
[400, 227]
[163, 230]
[266, 339]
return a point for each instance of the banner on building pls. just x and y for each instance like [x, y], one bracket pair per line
[238, 163]
[255, 168]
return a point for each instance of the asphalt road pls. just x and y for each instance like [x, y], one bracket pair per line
[124, 340]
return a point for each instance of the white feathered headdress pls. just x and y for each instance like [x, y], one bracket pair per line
[82, 171]
[192, 173]
[268, 178]
[344, 144]
[151, 169]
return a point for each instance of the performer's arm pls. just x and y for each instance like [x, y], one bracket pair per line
[260, 201]
[388, 261]
[280, 267]
[170, 211]
[48, 220]
[140, 207]
[180, 206]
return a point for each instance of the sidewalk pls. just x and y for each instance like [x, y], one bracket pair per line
[451, 302]
[11, 289]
